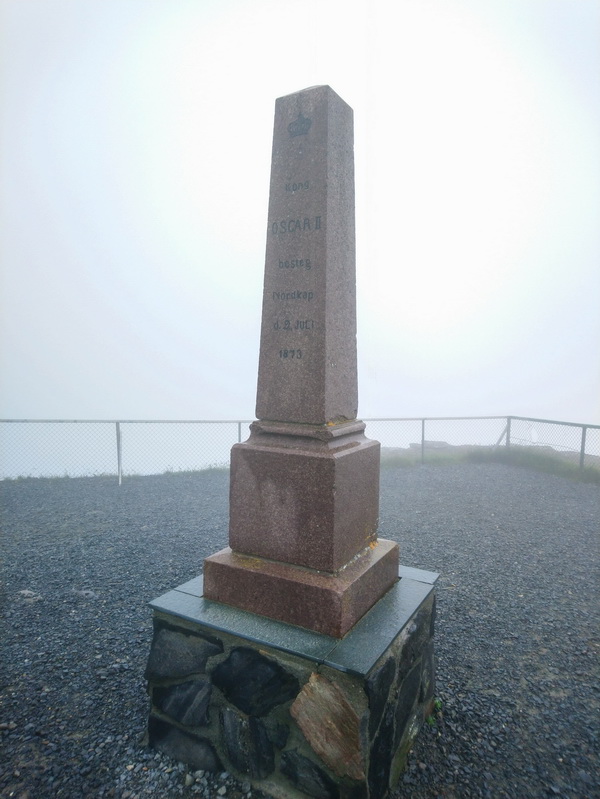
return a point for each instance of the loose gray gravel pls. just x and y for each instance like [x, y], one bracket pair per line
[517, 630]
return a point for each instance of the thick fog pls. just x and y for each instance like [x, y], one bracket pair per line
[136, 142]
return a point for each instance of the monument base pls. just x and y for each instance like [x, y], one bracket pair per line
[326, 603]
[297, 713]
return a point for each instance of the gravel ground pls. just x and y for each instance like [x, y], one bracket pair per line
[517, 631]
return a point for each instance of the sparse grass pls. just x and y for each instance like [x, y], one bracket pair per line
[541, 459]
[433, 457]
[535, 458]
[215, 467]
[538, 458]
[392, 461]
[436, 714]
[51, 477]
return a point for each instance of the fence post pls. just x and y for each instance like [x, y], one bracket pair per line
[422, 441]
[119, 459]
[508, 419]
[502, 434]
[582, 451]
[239, 432]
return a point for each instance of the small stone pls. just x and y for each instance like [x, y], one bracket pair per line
[189, 780]
[222, 790]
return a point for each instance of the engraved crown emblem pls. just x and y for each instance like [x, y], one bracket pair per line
[299, 126]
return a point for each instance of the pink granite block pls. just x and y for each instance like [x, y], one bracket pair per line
[305, 501]
[326, 603]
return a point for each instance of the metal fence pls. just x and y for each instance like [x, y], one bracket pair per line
[75, 448]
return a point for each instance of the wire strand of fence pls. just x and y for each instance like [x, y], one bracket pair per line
[127, 447]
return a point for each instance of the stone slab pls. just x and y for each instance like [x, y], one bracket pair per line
[356, 653]
[370, 637]
[306, 497]
[190, 604]
[327, 603]
[307, 365]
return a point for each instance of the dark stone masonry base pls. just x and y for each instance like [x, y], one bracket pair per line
[296, 713]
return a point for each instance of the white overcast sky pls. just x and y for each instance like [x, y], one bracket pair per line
[135, 156]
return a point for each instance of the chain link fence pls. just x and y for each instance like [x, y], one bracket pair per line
[434, 438]
[62, 448]
[571, 441]
[57, 448]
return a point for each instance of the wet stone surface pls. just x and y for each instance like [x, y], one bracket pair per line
[331, 726]
[378, 686]
[307, 776]
[176, 654]
[187, 702]
[248, 744]
[253, 683]
[195, 751]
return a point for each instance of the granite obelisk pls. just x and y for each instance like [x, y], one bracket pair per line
[307, 366]
[304, 491]
[290, 709]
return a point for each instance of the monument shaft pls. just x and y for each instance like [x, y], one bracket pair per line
[307, 366]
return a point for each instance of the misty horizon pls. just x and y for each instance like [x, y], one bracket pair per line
[136, 153]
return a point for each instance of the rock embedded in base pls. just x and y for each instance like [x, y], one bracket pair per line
[176, 653]
[330, 725]
[307, 776]
[247, 744]
[186, 702]
[197, 752]
[253, 683]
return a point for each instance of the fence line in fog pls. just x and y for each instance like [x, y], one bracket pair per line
[84, 447]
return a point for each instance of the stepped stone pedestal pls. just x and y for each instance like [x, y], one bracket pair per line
[303, 540]
[301, 660]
